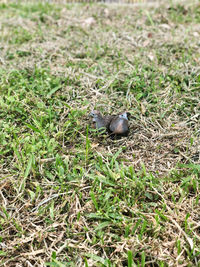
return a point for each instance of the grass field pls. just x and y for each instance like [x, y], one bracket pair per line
[70, 196]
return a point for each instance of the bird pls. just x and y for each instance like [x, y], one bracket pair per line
[101, 122]
[114, 124]
[119, 124]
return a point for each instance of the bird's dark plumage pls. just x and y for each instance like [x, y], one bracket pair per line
[115, 124]
[119, 124]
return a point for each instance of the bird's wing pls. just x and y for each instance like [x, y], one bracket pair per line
[113, 123]
[109, 119]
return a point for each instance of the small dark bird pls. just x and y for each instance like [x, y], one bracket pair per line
[115, 124]
[101, 122]
[119, 124]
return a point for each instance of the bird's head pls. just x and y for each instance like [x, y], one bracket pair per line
[125, 115]
[95, 114]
